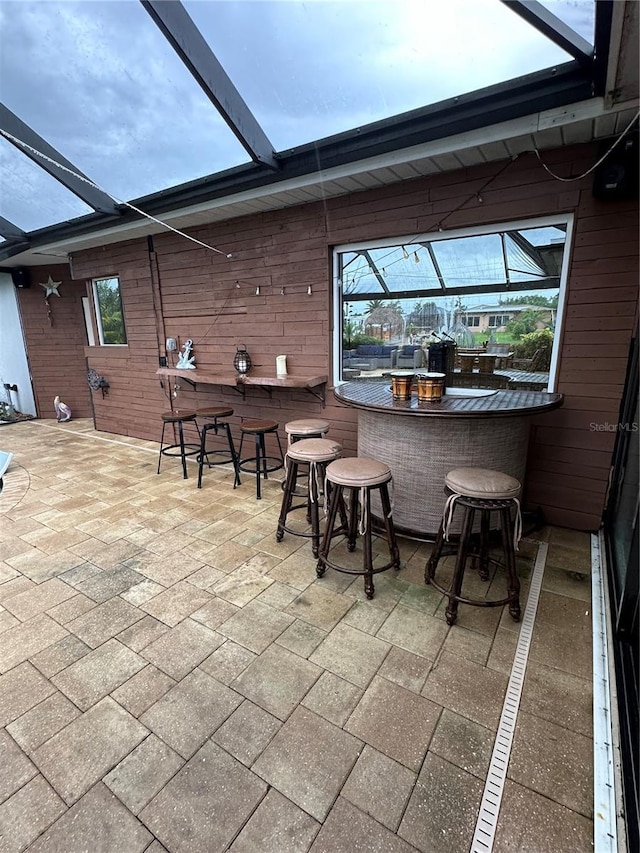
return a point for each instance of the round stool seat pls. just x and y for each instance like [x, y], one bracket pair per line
[482, 483]
[178, 415]
[306, 426]
[358, 471]
[314, 450]
[215, 412]
[256, 427]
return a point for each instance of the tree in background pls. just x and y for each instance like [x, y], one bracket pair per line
[111, 315]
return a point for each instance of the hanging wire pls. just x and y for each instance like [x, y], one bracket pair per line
[85, 180]
[597, 163]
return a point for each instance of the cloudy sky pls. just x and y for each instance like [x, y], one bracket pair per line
[99, 82]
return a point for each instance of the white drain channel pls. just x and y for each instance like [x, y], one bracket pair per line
[494, 786]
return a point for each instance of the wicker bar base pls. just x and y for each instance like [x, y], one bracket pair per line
[420, 452]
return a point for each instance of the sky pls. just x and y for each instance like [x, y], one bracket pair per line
[100, 83]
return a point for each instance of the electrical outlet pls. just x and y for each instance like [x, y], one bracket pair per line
[163, 361]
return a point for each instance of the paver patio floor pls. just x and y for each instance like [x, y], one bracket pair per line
[173, 679]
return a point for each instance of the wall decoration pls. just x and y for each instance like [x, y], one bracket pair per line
[186, 360]
[97, 382]
[63, 412]
[50, 288]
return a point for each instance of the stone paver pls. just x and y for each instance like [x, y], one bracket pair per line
[16, 767]
[255, 626]
[42, 721]
[333, 698]
[247, 732]
[351, 654]
[106, 584]
[142, 690]
[379, 787]
[25, 815]
[329, 755]
[467, 688]
[194, 813]
[139, 776]
[277, 826]
[553, 761]
[27, 639]
[193, 709]
[95, 675]
[41, 598]
[60, 655]
[79, 755]
[20, 689]
[395, 721]
[98, 821]
[228, 662]
[347, 828]
[182, 648]
[277, 680]
[174, 604]
[442, 790]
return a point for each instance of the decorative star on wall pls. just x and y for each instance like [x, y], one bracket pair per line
[51, 287]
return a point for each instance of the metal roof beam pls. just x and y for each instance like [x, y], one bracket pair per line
[11, 232]
[553, 28]
[16, 128]
[553, 281]
[188, 42]
[376, 272]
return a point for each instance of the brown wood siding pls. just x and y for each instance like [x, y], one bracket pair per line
[198, 294]
[56, 349]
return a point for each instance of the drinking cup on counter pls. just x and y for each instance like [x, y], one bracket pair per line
[430, 387]
[401, 385]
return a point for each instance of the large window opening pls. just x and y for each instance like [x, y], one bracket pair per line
[497, 291]
[109, 313]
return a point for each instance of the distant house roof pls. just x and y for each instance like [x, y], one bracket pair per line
[503, 309]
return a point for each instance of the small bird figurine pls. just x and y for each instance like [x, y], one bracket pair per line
[63, 412]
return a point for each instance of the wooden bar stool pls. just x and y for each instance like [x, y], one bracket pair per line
[228, 453]
[484, 491]
[315, 454]
[306, 428]
[361, 475]
[179, 417]
[302, 429]
[260, 463]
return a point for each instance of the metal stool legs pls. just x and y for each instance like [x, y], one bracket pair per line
[181, 446]
[481, 559]
[234, 458]
[368, 569]
[312, 504]
[260, 462]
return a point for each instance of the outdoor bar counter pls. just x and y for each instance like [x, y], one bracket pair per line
[421, 442]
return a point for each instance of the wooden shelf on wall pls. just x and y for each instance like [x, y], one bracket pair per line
[233, 380]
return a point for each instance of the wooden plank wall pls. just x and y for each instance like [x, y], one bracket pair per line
[175, 288]
[56, 348]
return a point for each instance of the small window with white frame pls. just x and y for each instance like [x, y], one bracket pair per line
[109, 314]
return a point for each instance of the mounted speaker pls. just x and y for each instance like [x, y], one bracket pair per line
[616, 178]
[20, 277]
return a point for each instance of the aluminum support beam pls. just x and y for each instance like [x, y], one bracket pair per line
[553, 28]
[188, 42]
[95, 198]
[376, 272]
[10, 231]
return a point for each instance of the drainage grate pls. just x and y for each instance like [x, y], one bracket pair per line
[494, 786]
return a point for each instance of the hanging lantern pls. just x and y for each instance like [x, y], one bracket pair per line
[242, 360]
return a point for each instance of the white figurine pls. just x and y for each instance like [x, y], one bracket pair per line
[63, 412]
[186, 360]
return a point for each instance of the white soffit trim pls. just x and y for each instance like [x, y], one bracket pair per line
[528, 126]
